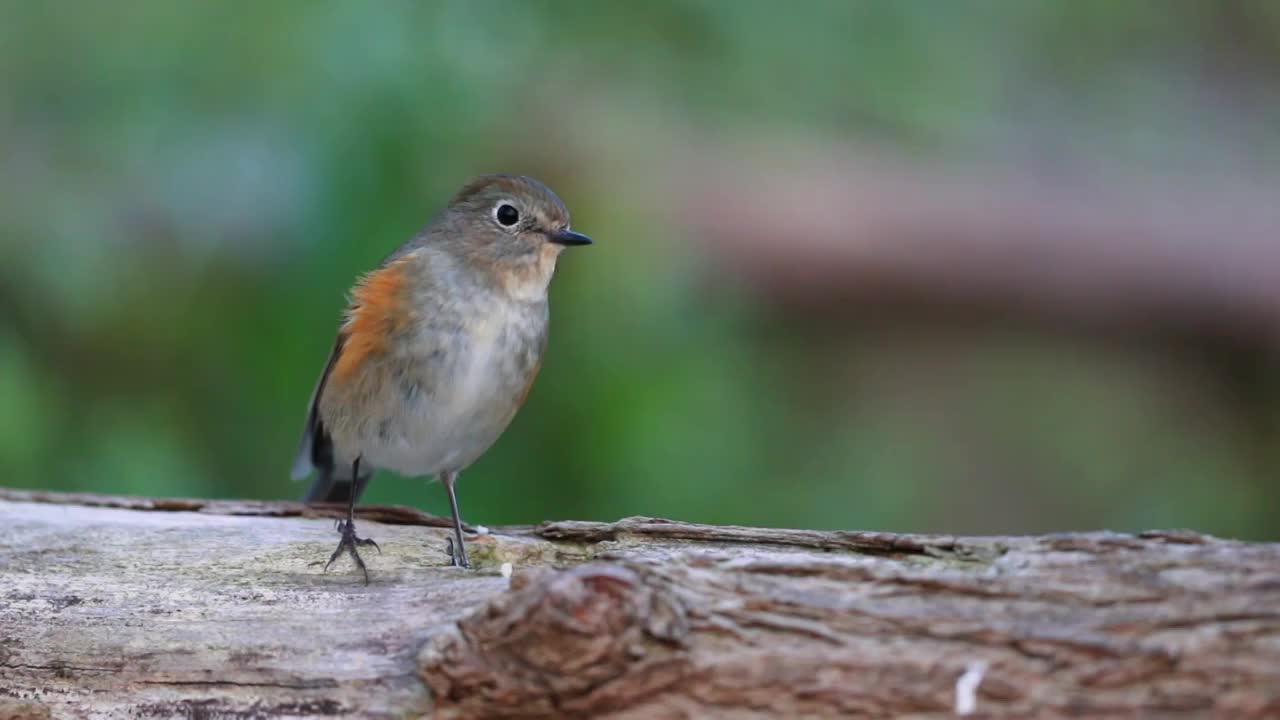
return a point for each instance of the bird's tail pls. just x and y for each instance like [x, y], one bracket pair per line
[334, 486]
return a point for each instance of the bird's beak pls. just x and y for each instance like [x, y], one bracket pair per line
[569, 237]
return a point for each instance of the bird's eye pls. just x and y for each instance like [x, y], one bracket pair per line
[506, 215]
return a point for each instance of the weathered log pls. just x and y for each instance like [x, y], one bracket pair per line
[130, 607]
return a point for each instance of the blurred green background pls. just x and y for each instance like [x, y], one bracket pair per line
[188, 189]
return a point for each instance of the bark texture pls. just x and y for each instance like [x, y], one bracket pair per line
[132, 607]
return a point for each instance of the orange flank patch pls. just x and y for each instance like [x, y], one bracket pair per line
[379, 309]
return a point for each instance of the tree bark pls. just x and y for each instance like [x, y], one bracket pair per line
[135, 607]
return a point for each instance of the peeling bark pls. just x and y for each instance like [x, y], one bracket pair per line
[134, 607]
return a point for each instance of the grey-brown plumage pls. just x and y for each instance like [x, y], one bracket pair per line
[438, 348]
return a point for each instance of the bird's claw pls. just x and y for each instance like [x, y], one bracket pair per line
[348, 544]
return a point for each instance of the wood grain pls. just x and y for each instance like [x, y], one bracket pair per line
[136, 607]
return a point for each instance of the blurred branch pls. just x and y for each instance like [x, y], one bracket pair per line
[1105, 252]
[147, 607]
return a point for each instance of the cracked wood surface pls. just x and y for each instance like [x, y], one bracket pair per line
[138, 607]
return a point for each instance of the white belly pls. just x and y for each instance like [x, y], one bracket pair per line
[465, 397]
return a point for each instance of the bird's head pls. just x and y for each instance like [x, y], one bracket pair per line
[511, 226]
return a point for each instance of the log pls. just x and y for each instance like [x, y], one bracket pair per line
[136, 607]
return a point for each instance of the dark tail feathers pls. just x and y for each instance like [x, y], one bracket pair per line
[334, 487]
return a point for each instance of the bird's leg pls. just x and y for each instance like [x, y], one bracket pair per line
[349, 541]
[457, 550]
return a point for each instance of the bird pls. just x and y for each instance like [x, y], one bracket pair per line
[437, 349]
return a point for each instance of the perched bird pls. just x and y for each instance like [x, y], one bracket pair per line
[437, 350]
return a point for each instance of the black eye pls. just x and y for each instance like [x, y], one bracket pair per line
[507, 215]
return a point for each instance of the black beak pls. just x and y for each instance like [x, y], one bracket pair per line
[569, 237]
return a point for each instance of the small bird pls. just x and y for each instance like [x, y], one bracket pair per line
[437, 350]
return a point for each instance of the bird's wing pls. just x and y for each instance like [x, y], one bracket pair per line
[377, 309]
[315, 450]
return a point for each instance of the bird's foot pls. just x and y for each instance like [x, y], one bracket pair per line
[348, 544]
[457, 552]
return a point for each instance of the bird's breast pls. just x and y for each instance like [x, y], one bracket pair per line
[487, 365]
[461, 384]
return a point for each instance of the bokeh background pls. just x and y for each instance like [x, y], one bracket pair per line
[918, 266]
